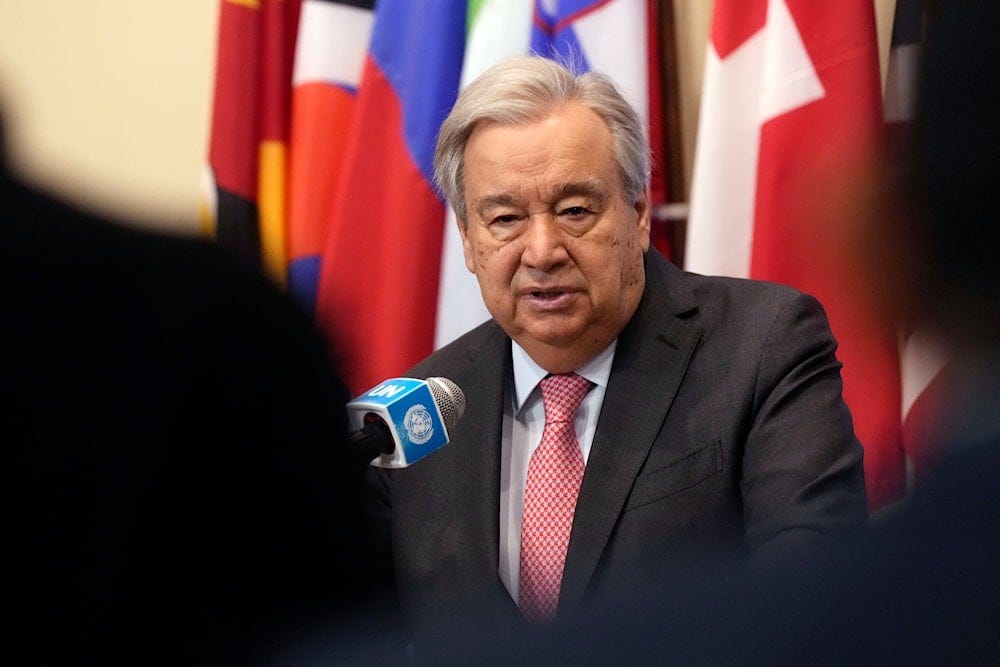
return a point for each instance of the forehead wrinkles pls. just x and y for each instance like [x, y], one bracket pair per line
[566, 153]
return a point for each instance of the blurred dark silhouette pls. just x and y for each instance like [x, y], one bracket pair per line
[180, 489]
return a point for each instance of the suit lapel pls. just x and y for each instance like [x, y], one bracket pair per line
[651, 358]
[473, 471]
[482, 424]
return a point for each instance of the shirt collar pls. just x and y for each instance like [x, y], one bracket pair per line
[527, 374]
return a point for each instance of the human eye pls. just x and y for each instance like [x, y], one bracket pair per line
[577, 218]
[504, 225]
[575, 212]
[504, 219]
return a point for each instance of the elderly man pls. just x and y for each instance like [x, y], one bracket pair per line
[626, 420]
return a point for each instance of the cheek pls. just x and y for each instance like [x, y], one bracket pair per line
[617, 259]
[495, 286]
[477, 250]
[632, 275]
[494, 267]
[633, 249]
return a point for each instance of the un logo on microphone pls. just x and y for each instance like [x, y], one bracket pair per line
[411, 409]
[419, 424]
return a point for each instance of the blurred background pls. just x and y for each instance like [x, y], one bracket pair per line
[110, 101]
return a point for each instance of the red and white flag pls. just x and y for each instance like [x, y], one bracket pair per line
[791, 103]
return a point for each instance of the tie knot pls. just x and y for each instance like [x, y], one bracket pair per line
[561, 396]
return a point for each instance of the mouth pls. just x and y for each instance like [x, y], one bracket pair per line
[547, 295]
[550, 300]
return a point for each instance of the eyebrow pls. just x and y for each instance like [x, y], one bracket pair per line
[493, 201]
[588, 188]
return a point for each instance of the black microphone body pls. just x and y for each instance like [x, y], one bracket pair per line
[372, 440]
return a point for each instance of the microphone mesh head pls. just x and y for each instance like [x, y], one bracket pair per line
[450, 399]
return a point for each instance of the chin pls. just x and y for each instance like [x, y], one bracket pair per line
[560, 337]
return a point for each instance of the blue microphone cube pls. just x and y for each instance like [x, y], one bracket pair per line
[408, 408]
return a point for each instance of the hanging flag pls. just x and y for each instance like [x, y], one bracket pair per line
[245, 188]
[393, 283]
[791, 101]
[377, 297]
[330, 52]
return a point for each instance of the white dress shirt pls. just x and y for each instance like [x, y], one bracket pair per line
[523, 422]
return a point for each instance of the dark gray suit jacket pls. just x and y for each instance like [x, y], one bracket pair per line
[723, 433]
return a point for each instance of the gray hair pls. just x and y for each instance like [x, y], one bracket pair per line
[524, 89]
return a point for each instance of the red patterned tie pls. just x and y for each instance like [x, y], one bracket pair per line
[555, 472]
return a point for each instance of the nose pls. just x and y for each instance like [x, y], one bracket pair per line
[544, 243]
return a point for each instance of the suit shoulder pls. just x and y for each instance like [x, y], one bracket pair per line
[744, 294]
[455, 358]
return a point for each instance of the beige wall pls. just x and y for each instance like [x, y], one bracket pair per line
[109, 100]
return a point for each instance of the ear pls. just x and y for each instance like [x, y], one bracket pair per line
[642, 212]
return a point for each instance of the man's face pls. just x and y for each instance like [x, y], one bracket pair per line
[555, 246]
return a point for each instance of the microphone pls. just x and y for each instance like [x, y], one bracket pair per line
[401, 420]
